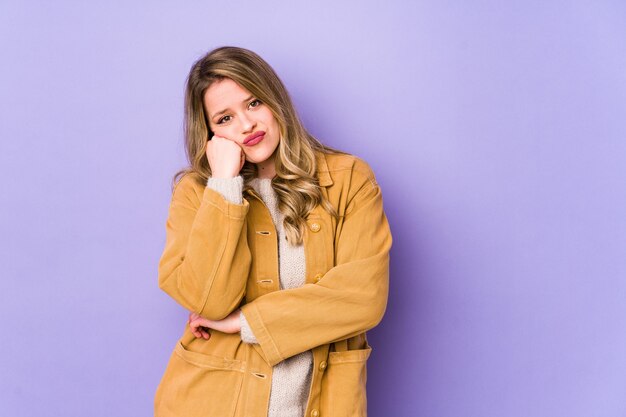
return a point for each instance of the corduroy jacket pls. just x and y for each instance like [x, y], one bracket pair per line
[221, 256]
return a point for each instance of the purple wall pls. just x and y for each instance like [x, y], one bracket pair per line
[497, 131]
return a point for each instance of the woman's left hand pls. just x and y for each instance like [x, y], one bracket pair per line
[230, 324]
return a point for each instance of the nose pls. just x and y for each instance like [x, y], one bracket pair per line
[247, 124]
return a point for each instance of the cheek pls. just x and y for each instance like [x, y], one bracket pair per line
[219, 131]
[268, 118]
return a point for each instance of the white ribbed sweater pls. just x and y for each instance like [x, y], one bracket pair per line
[291, 378]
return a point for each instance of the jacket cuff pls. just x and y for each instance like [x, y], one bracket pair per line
[230, 188]
[269, 348]
[217, 200]
[246, 332]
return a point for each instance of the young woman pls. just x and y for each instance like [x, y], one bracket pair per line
[279, 248]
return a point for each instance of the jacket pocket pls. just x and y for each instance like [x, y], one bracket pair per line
[343, 384]
[197, 384]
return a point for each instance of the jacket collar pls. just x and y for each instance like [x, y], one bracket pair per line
[323, 175]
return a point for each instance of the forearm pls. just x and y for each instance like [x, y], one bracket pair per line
[349, 299]
[288, 322]
[206, 260]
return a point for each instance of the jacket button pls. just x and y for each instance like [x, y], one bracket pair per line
[315, 413]
[315, 227]
[322, 365]
[318, 277]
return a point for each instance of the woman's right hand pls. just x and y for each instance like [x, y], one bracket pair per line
[226, 158]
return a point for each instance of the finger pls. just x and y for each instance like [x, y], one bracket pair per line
[205, 333]
[200, 322]
[195, 333]
[192, 328]
[200, 330]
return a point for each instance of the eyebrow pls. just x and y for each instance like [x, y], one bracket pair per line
[225, 110]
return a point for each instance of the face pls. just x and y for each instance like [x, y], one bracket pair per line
[235, 114]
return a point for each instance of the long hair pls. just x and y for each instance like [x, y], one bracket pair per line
[295, 183]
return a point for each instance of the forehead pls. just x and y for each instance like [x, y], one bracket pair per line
[224, 93]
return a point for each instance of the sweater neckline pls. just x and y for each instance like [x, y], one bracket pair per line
[263, 186]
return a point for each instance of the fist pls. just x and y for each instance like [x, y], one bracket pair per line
[200, 327]
[226, 158]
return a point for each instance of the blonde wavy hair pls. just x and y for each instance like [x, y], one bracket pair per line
[296, 184]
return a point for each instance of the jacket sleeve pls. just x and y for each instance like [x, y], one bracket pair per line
[206, 260]
[349, 299]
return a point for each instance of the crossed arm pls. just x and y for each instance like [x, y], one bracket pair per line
[349, 299]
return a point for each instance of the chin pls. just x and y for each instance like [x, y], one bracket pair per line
[261, 155]
[256, 159]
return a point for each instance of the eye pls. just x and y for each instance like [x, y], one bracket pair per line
[223, 119]
[255, 103]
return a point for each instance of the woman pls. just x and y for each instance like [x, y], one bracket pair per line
[278, 246]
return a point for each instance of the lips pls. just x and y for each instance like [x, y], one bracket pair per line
[254, 138]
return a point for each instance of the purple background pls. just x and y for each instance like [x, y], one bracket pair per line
[496, 129]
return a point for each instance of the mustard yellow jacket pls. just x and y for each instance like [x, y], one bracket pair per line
[221, 256]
